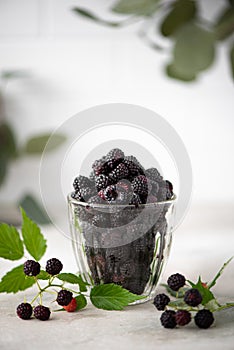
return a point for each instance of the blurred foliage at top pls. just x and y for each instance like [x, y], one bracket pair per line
[194, 39]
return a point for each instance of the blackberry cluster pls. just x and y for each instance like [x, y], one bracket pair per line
[192, 297]
[53, 266]
[114, 167]
[117, 179]
[31, 268]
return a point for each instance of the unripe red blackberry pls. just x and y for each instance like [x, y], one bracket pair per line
[31, 268]
[204, 318]
[176, 281]
[53, 266]
[161, 301]
[41, 312]
[64, 297]
[193, 297]
[168, 319]
[182, 317]
[24, 311]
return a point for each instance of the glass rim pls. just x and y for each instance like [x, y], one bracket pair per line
[97, 205]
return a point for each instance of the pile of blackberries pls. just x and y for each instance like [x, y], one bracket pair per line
[120, 240]
[181, 317]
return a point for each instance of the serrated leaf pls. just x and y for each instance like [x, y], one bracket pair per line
[136, 7]
[206, 294]
[225, 24]
[15, 280]
[43, 275]
[34, 210]
[232, 60]
[81, 302]
[34, 241]
[112, 297]
[11, 246]
[36, 144]
[219, 273]
[73, 279]
[181, 12]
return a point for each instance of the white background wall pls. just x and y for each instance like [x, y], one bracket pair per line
[74, 64]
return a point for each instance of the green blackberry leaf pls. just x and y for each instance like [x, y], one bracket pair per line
[11, 246]
[81, 302]
[43, 275]
[89, 15]
[112, 297]
[213, 282]
[34, 210]
[34, 241]
[225, 24]
[203, 288]
[15, 280]
[73, 279]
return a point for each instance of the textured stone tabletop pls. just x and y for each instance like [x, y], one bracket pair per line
[201, 245]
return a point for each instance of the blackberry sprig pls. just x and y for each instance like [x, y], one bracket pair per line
[189, 301]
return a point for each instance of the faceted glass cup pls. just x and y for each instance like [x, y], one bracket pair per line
[126, 245]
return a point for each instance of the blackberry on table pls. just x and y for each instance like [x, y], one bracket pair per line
[24, 311]
[64, 297]
[102, 181]
[193, 297]
[140, 185]
[161, 301]
[31, 268]
[42, 312]
[204, 318]
[53, 266]
[182, 317]
[168, 319]
[176, 281]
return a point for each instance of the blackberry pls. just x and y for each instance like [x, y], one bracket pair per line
[168, 319]
[161, 301]
[113, 158]
[100, 166]
[176, 281]
[24, 311]
[102, 181]
[154, 187]
[135, 200]
[169, 187]
[140, 185]
[81, 182]
[41, 312]
[87, 192]
[96, 200]
[153, 174]
[31, 268]
[182, 317]
[193, 297]
[77, 196]
[123, 185]
[110, 193]
[119, 173]
[53, 266]
[133, 166]
[64, 297]
[204, 318]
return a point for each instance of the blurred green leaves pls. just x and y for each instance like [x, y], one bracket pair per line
[232, 60]
[181, 12]
[36, 144]
[7, 148]
[193, 52]
[194, 40]
[136, 7]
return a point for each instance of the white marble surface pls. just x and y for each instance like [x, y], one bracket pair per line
[201, 245]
